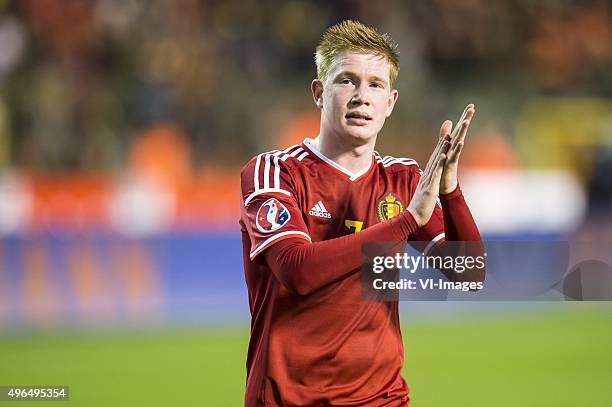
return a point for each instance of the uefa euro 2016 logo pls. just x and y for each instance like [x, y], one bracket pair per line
[272, 215]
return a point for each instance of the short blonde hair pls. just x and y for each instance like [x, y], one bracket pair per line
[353, 36]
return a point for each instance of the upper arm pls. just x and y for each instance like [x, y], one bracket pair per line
[270, 210]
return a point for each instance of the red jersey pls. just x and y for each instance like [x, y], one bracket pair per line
[329, 347]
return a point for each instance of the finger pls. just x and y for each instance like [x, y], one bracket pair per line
[459, 149]
[444, 129]
[458, 125]
[436, 173]
[464, 126]
[446, 145]
[461, 119]
[454, 153]
[444, 136]
[441, 148]
[444, 149]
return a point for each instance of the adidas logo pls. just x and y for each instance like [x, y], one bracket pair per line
[320, 211]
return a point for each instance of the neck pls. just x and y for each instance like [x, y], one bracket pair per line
[352, 157]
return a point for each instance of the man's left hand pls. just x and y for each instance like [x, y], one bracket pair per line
[448, 182]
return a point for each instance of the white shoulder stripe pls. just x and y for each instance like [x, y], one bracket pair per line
[296, 152]
[257, 168]
[397, 161]
[268, 168]
[288, 149]
[256, 176]
[276, 172]
[266, 178]
[276, 180]
[291, 154]
[278, 156]
[390, 160]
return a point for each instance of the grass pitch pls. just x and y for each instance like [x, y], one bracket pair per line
[560, 357]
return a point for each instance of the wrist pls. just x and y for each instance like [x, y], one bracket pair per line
[411, 223]
[451, 194]
[448, 187]
[418, 219]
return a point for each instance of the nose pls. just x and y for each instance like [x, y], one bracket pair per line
[361, 96]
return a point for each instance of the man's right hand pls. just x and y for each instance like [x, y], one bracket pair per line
[423, 201]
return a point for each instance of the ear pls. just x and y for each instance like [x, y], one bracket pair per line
[316, 87]
[391, 101]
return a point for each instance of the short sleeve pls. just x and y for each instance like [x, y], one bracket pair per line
[270, 209]
[428, 236]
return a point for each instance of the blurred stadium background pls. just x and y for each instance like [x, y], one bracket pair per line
[123, 128]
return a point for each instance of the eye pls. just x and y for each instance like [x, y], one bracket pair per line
[346, 81]
[376, 85]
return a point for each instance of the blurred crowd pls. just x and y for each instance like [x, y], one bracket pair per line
[86, 85]
[82, 79]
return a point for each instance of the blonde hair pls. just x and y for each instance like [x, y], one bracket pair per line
[353, 36]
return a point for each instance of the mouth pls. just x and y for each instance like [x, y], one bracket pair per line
[359, 118]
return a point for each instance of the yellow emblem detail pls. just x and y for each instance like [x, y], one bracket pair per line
[389, 207]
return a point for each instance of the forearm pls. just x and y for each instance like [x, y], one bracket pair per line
[459, 226]
[305, 267]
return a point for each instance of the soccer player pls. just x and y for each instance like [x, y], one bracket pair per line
[306, 212]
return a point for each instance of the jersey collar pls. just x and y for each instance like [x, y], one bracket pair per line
[353, 176]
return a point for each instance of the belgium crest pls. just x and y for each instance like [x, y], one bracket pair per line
[389, 207]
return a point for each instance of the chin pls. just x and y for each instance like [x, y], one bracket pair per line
[360, 135]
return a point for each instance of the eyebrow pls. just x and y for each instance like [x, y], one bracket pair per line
[379, 79]
[352, 74]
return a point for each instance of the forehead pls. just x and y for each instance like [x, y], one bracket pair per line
[361, 64]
